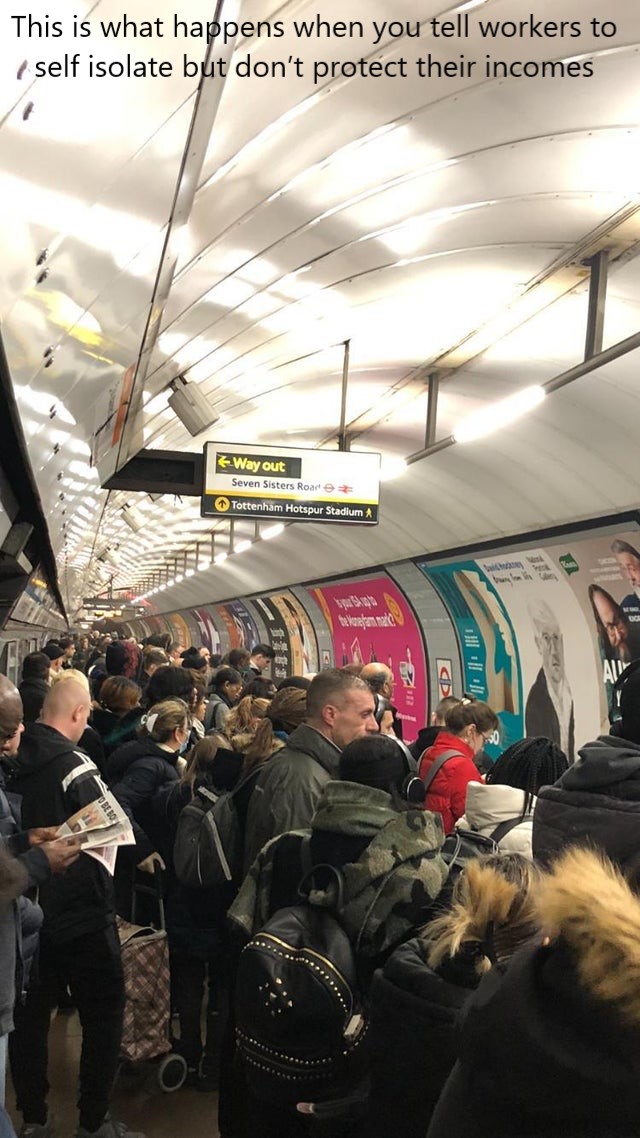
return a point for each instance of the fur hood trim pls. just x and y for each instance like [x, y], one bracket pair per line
[586, 901]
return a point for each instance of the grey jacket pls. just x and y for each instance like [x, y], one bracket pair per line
[288, 789]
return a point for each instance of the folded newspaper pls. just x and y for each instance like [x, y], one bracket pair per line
[102, 826]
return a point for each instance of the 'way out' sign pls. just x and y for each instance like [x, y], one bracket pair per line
[283, 484]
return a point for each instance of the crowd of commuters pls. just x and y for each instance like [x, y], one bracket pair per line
[491, 906]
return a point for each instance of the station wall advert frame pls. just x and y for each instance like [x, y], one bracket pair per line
[275, 483]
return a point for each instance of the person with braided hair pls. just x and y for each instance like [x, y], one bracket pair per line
[502, 807]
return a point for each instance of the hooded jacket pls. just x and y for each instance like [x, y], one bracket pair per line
[448, 791]
[32, 694]
[550, 1047]
[389, 885]
[595, 802]
[288, 789]
[488, 806]
[137, 772]
[55, 780]
[414, 1014]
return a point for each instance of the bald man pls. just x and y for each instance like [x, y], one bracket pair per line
[79, 945]
[380, 679]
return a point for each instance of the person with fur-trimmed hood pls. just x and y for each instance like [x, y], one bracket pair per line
[550, 1047]
[416, 999]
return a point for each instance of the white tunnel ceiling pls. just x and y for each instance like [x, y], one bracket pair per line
[401, 215]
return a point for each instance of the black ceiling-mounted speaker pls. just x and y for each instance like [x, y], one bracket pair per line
[14, 565]
[15, 542]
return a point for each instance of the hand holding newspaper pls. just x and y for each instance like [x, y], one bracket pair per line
[102, 826]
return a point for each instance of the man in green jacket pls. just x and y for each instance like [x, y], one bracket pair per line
[340, 708]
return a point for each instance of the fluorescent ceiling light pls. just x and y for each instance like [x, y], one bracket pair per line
[498, 415]
[272, 531]
[241, 546]
[204, 565]
[220, 557]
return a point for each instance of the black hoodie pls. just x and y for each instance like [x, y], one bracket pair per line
[55, 780]
[595, 802]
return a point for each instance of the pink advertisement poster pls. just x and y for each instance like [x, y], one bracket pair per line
[370, 620]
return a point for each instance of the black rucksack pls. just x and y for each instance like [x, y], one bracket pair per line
[301, 1026]
[208, 850]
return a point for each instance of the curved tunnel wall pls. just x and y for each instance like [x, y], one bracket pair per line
[540, 629]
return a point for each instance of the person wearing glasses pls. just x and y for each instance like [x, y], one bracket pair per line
[549, 709]
[449, 765]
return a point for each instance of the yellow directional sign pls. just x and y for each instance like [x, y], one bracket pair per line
[290, 484]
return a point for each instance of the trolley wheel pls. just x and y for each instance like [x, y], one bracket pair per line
[171, 1072]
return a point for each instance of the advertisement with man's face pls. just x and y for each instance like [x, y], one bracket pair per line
[372, 622]
[555, 648]
[603, 573]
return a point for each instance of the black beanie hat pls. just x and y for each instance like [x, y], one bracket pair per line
[53, 650]
[375, 761]
[192, 659]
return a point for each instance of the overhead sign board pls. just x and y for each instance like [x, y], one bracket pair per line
[287, 484]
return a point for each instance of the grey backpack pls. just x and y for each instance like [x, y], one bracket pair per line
[208, 849]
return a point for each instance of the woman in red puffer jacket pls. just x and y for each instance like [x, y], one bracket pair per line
[468, 727]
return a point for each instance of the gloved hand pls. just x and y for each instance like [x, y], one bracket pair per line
[148, 864]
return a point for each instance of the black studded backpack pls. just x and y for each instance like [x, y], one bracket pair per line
[301, 1026]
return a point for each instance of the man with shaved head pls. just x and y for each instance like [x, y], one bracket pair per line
[79, 945]
[380, 679]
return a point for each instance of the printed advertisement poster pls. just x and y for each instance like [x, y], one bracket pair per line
[603, 573]
[179, 630]
[209, 635]
[277, 636]
[302, 638]
[490, 659]
[370, 620]
[240, 625]
[555, 648]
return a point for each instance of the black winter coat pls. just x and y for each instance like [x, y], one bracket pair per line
[115, 730]
[549, 1047]
[540, 1058]
[55, 780]
[32, 694]
[414, 1012]
[137, 772]
[596, 802]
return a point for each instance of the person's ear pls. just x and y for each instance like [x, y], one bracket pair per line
[328, 714]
